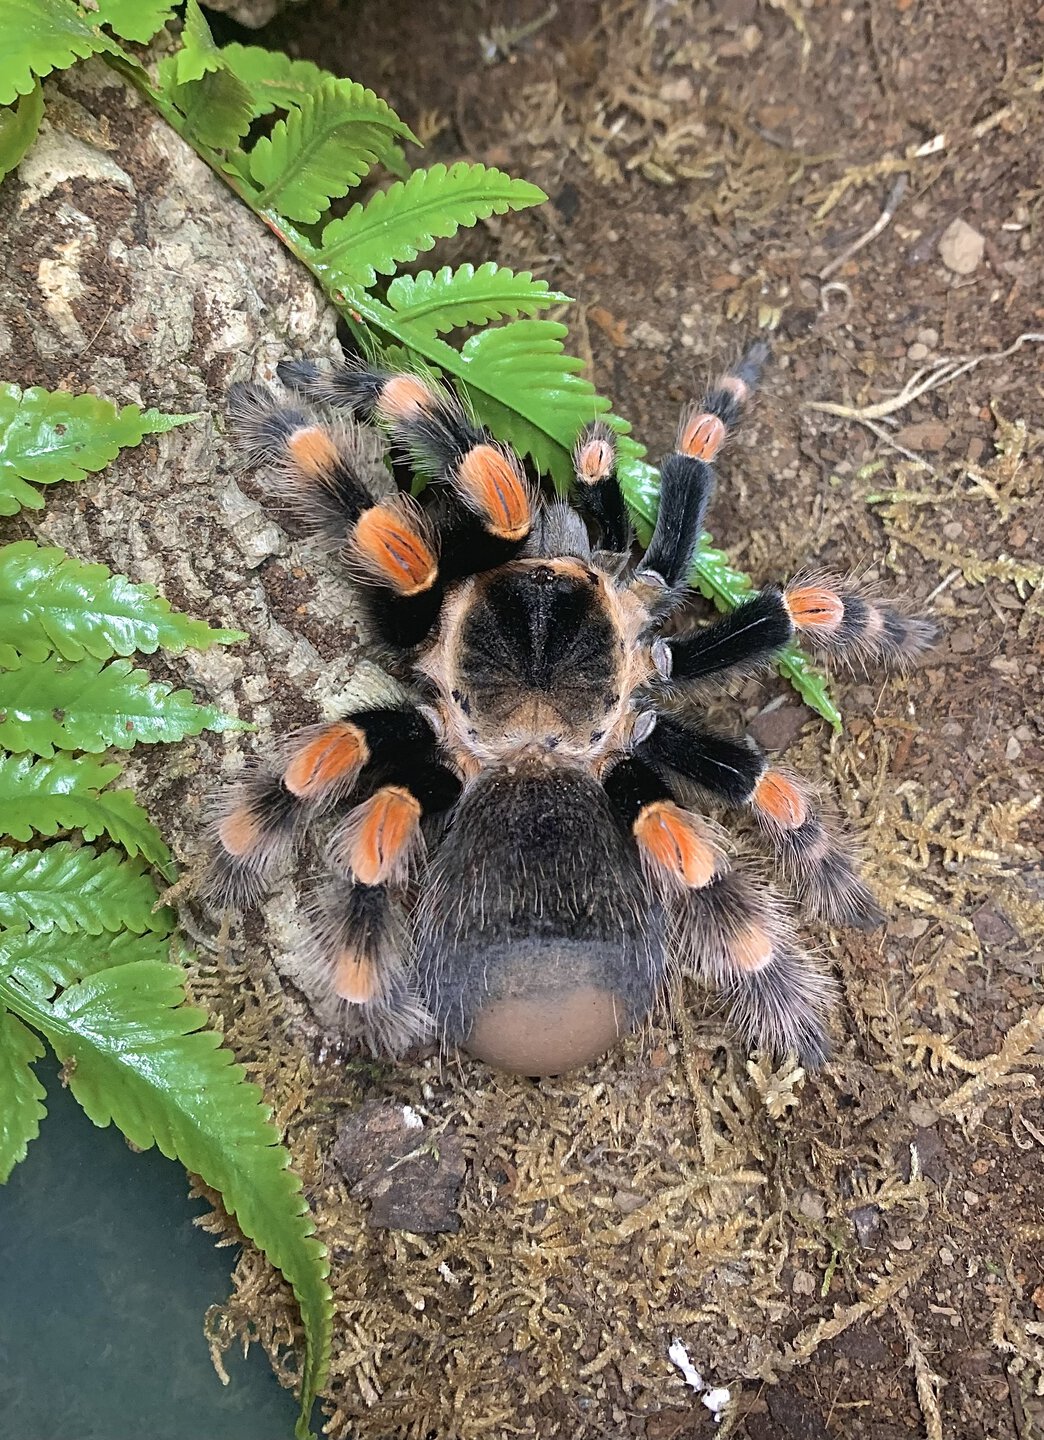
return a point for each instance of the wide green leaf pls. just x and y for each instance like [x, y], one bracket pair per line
[274, 80]
[70, 793]
[74, 887]
[138, 1056]
[48, 435]
[18, 126]
[321, 150]
[21, 1094]
[136, 20]
[543, 401]
[51, 602]
[430, 304]
[45, 961]
[396, 224]
[38, 36]
[55, 704]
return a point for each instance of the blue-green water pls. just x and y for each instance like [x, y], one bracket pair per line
[104, 1282]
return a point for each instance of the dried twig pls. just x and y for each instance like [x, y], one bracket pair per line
[885, 218]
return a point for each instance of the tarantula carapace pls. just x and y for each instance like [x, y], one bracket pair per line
[516, 855]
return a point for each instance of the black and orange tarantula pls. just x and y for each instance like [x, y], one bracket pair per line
[516, 856]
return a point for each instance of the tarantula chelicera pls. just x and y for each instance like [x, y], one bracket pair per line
[517, 856]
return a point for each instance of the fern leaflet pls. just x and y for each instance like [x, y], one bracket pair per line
[18, 127]
[38, 36]
[47, 435]
[45, 962]
[430, 304]
[21, 1094]
[52, 704]
[46, 796]
[51, 602]
[321, 150]
[136, 20]
[396, 224]
[274, 80]
[137, 1055]
[76, 888]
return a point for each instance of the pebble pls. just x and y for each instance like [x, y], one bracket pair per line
[961, 247]
[929, 338]
[918, 351]
[812, 1205]
[803, 1283]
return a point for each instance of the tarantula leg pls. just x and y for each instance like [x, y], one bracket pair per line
[677, 849]
[597, 493]
[319, 470]
[252, 836]
[495, 509]
[687, 479]
[733, 935]
[356, 954]
[736, 772]
[837, 617]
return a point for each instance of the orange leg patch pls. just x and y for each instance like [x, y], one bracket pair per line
[750, 949]
[702, 437]
[495, 487]
[354, 977]
[382, 834]
[404, 397]
[594, 460]
[393, 551]
[779, 800]
[313, 451]
[331, 759]
[239, 832]
[675, 843]
[814, 607]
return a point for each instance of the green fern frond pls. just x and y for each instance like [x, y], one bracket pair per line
[396, 224]
[38, 36]
[51, 602]
[77, 888]
[137, 1055]
[321, 150]
[136, 20]
[430, 304]
[274, 80]
[18, 128]
[548, 400]
[198, 55]
[21, 1094]
[54, 704]
[46, 796]
[43, 962]
[48, 435]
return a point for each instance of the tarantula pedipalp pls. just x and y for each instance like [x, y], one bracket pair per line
[511, 864]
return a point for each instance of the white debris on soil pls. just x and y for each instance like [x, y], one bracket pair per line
[716, 1400]
[411, 1119]
[678, 1355]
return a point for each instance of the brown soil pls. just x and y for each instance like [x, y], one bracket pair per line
[859, 1255]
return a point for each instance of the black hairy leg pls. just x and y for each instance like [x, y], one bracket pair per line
[687, 476]
[819, 863]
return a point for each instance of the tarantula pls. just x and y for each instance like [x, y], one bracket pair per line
[516, 856]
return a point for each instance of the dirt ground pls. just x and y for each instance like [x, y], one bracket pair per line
[860, 1254]
[857, 1254]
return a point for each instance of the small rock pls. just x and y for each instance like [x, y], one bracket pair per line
[812, 1205]
[991, 925]
[803, 1283]
[411, 1185]
[929, 435]
[961, 248]
[1013, 749]
[928, 338]
[917, 352]
[923, 1115]
[866, 1221]
[777, 728]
